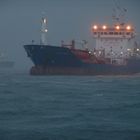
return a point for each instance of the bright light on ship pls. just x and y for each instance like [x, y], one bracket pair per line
[117, 27]
[100, 52]
[104, 27]
[128, 49]
[128, 27]
[95, 27]
[138, 49]
[46, 30]
[44, 20]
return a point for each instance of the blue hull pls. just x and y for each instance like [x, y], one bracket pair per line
[59, 60]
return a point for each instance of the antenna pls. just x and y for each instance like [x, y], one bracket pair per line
[44, 31]
[119, 13]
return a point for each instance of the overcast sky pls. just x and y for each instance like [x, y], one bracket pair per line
[67, 19]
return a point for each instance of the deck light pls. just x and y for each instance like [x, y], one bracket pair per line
[104, 27]
[95, 27]
[128, 27]
[117, 27]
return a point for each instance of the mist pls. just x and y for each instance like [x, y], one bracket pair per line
[20, 23]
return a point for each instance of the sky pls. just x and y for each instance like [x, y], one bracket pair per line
[20, 22]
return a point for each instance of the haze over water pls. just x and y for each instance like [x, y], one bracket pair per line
[63, 107]
[67, 20]
[69, 107]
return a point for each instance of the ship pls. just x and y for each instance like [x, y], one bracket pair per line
[115, 53]
[5, 63]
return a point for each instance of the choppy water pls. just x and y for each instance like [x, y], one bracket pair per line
[69, 107]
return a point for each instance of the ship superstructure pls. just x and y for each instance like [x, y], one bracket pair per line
[114, 44]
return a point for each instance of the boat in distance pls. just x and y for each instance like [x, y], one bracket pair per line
[115, 53]
[5, 63]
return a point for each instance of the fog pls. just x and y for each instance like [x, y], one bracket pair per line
[20, 22]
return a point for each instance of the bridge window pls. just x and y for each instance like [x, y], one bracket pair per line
[111, 33]
[128, 33]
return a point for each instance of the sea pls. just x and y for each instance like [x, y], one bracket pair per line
[69, 107]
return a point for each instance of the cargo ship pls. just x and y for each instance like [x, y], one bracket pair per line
[114, 53]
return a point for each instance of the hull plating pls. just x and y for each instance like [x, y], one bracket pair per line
[62, 61]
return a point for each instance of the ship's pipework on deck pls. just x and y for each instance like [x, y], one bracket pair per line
[72, 45]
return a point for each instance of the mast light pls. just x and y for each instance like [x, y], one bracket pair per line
[45, 21]
[46, 30]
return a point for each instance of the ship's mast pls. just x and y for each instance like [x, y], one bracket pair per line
[44, 31]
[119, 14]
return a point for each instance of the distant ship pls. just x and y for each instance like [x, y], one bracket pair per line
[115, 53]
[4, 62]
